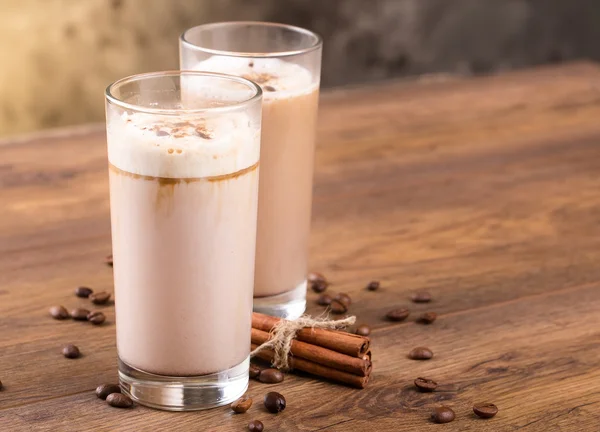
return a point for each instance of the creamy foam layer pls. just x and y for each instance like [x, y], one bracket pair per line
[182, 147]
[279, 79]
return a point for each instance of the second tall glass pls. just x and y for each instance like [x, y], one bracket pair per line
[286, 62]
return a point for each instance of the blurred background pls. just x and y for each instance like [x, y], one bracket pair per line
[59, 55]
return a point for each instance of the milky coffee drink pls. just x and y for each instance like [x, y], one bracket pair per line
[183, 205]
[290, 102]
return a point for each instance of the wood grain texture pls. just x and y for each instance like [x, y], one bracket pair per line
[482, 191]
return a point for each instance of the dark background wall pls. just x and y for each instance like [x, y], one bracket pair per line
[57, 56]
[376, 39]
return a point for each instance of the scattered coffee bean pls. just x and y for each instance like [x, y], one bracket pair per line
[70, 351]
[324, 300]
[83, 292]
[271, 376]
[59, 312]
[269, 88]
[318, 286]
[242, 405]
[427, 318]
[80, 314]
[485, 410]
[274, 402]
[425, 385]
[103, 390]
[256, 426]
[99, 298]
[316, 277]
[420, 353]
[96, 317]
[119, 400]
[421, 297]
[338, 307]
[253, 371]
[397, 315]
[109, 260]
[363, 330]
[373, 286]
[344, 298]
[318, 282]
[443, 414]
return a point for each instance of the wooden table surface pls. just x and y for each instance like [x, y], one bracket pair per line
[486, 192]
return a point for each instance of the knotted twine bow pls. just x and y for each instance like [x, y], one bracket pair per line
[284, 332]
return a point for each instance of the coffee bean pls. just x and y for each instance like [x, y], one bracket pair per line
[485, 410]
[443, 414]
[96, 317]
[83, 292]
[363, 330]
[103, 390]
[316, 277]
[318, 282]
[324, 300]
[80, 314]
[59, 312]
[70, 351]
[271, 376]
[242, 405]
[318, 286]
[109, 260]
[256, 426]
[373, 286]
[0, 385]
[274, 402]
[397, 315]
[269, 88]
[425, 385]
[420, 353]
[338, 307]
[119, 400]
[99, 298]
[344, 298]
[421, 297]
[253, 371]
[427, 318]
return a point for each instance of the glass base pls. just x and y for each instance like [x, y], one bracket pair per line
[289, 305]
[184, 393]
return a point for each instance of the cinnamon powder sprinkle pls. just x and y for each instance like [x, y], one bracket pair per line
[259, 78]
[203, 132]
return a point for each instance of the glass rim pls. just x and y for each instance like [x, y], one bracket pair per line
[317, 44]
[110, 97]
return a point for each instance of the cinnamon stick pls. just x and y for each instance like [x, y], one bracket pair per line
[345, 343]
[320, 370]
[316, 354]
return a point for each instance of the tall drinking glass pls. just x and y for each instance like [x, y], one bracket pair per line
[286, 62]
[183, 152]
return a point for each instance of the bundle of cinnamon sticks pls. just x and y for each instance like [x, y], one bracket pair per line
[330, 354]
